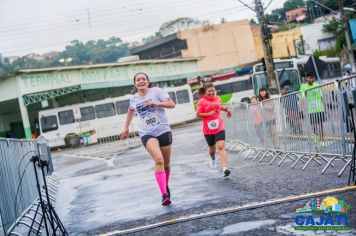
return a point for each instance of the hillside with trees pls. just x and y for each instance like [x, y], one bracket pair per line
[93, 51]
[90, 52]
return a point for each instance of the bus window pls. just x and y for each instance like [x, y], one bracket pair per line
[105, 110]
[48, 123]
[172, 95]
[122, 107]
[241, 86]
[66, 117]
[222, 89]
[183, 96]
[87, 113]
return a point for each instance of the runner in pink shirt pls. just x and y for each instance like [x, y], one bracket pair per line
[209, 108]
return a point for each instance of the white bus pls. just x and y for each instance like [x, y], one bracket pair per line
[87, 122]
[237, 89]
[291, 72]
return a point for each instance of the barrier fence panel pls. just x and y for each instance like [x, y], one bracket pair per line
[17, 178]
[302, 127]
[110, 133]
[292, 134]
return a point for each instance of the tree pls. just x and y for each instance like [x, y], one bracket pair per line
[178, 24]
[174, 26]
[277, 16]
[334, 27]
[92, 51]
[292, 4]
[155, 36]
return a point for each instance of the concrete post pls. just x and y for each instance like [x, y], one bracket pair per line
[24, 112]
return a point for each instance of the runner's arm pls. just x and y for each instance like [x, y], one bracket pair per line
[228, 112]
[124, 132]
[165, 104]
[201, 114]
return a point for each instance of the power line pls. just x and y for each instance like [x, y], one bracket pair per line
[251, 8]
[115, 22]
[100, 35]
[268, 5]
[52, 27]
[49, 24]
[83, 12]
[105, 12]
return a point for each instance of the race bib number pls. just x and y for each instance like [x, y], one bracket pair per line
[151, 120]
[213, 124]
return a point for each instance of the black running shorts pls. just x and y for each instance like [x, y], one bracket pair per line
[212, 139]
[164, 139]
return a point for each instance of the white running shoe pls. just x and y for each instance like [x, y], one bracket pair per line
[212, 164]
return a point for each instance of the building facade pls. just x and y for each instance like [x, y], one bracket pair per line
[315, 38]
[296, 15]
[22, 96]
[220, 47]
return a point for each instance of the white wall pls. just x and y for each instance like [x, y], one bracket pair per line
[8, 89]
[311, 34]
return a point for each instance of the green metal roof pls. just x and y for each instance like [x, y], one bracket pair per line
[103, 65]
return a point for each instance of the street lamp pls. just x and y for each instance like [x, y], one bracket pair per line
[65, 61]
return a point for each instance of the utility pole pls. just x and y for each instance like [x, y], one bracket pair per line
[302, 42]
[347, 35]
[266, 47]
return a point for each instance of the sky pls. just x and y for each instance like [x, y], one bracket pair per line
[41, 26]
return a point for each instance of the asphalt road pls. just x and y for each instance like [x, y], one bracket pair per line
[108, 188]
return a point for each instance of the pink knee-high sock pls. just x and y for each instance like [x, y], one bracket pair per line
[161, 180]
[168, 172]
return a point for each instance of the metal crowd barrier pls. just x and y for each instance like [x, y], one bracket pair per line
[19, 193]
[110, 133]
[298, 128]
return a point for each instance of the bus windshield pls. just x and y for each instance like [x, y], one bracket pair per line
[285, 77]
[289, 78]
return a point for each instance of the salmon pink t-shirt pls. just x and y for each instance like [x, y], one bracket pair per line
[212, 124]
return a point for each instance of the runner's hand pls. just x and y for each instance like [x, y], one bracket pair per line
[124, 133]
[212, 113]
[150, 103]
[228, 113]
